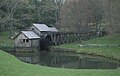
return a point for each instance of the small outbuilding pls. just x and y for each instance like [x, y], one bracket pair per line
[27, 39]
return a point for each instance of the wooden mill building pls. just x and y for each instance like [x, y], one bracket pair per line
[32, 36]
[42, 37]
[27, 39]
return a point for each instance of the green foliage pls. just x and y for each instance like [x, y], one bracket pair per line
[5, 40]
[10, 66]
[47, 12]
[21, 14]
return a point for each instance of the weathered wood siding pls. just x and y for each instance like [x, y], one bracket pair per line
[19, 43]
[35, 42]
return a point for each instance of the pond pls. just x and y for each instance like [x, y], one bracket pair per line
[67, 60]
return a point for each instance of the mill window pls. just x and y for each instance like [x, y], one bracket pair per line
[23, 40]
[27, 40]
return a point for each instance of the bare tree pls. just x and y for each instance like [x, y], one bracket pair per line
[76, 13]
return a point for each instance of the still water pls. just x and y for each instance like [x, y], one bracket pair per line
[67, 60]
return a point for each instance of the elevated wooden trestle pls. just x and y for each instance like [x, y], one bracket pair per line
[57, 38]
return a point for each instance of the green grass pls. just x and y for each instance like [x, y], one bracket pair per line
[5, 40]
[10, 66]
[113, 39]
[107, 51]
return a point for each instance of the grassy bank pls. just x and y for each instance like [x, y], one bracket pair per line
[112, 39]
[10, 66]
[5, 40]
[106, 51]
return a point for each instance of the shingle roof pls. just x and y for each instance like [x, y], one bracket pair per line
[42, 27]
[30, 34]
[53, 29]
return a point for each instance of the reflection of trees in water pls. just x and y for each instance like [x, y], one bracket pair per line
[56, 60]
[29, 59]
[65, 60]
